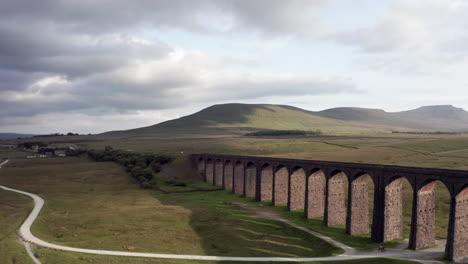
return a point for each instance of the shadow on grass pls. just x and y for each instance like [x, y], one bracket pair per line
[225, 229]
[360, 242]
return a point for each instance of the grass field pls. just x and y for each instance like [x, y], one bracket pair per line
[14, 208]
[120, 216]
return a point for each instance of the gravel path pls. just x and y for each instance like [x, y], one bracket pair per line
[423, 256]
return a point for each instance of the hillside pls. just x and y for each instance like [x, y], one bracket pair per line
[242, 118]
[6, 136]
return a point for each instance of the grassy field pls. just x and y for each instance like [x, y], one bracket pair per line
[120, 216]
[14, 209]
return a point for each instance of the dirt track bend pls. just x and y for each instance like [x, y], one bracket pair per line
[424, 256]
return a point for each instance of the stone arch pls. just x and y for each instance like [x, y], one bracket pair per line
[266, 183]
[280, 186]
[228, 175]
[297, 189]
[209, 171]
[426, 220]
[201, 169]
[395, 223]
[360, 201]
[460, 235]
[315, 196]
[239, 178]
[250, 187]
[218, 179]
[337, 186]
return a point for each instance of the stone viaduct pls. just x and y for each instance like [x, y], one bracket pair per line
[318, 187]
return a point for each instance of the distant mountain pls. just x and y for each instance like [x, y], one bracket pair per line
[4, 136]
[239, 118]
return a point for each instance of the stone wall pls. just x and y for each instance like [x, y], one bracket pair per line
[266, 184]
[210, 172]
[297, 190]
[239, 178]
[460, 244]
[393, 211]
[219, 173]
[201, 170]
[280, 189]
[228, 173]
[425, 228]
[336, 209]
[316, 195]
[250, 181]
[359, 218]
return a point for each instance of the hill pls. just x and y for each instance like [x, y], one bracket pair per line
[243, 118]
[6, 136]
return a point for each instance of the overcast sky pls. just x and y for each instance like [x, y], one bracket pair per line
[90, 66]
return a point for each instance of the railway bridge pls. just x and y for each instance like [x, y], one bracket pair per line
[321, 189]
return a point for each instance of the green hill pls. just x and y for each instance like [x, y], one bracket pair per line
[242, 118]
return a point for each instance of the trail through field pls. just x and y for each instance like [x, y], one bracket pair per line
[423, 256]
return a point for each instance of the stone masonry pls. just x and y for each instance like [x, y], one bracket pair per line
[239, 178]
[336, 208]
[209, 172]
[324, 193]
[393, 215]
[228, 173]
[201, 169]
[280, 189]
[250, 181]
[316, 195]
[359, 214]
[297, 188]
[219, 173]
[461, 227]
[267, 184]
[425, 227]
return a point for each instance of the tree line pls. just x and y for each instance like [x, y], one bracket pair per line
[140, 166]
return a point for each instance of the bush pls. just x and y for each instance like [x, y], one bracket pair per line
[140, 166]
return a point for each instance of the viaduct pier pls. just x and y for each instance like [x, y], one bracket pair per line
[319, 188]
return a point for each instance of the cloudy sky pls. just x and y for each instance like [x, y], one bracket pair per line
[90, 66]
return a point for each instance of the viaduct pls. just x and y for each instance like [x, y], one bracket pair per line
[318, 188]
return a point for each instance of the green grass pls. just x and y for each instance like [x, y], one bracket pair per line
[14, 208]
[57, 257]
[13, 153]
[96, 205]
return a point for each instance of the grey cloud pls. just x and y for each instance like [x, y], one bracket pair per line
[84, 56]
[107, 15]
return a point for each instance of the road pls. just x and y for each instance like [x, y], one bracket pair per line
[423, 256]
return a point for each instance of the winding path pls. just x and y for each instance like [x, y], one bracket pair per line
[350, 253]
